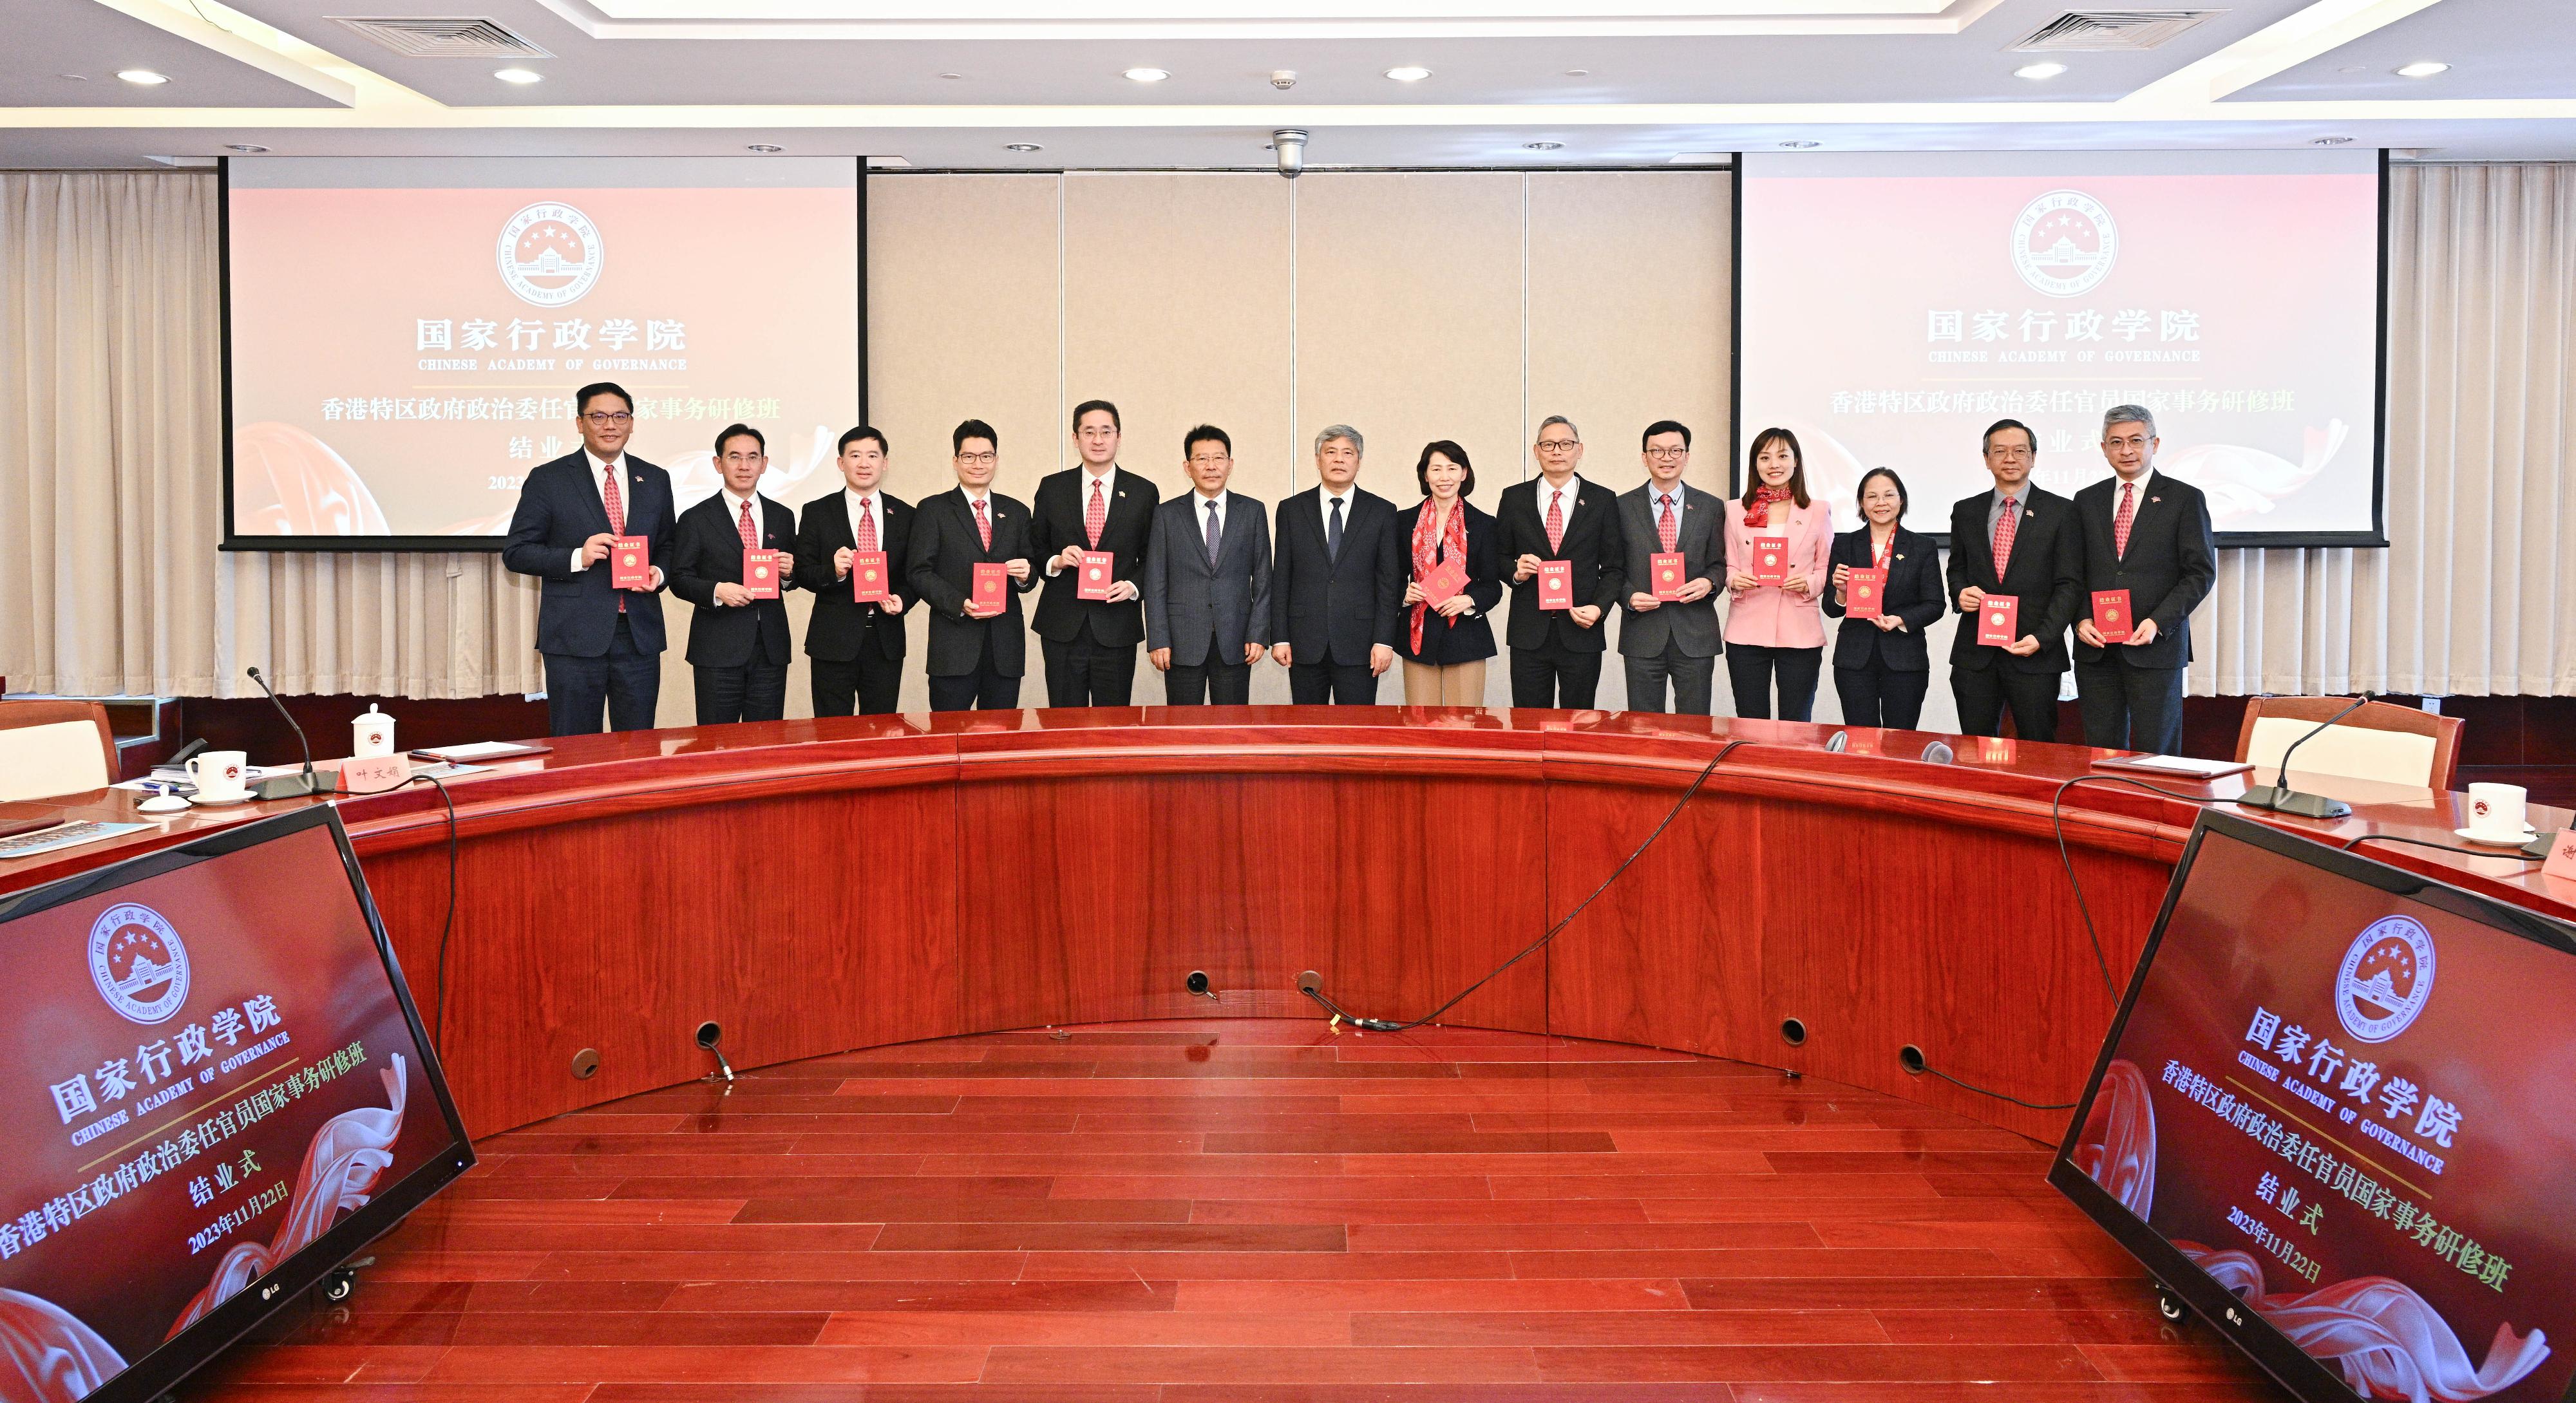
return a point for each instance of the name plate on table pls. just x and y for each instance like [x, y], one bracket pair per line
[1099, 575]
[992, 587]
[2562, 856]
[1556, 584]
[2111, 616]
[1667, 571]
[869, 582]
[374, 774]
[630, 562]
[1865, 593]
[1446, 578]
[1999, 621]
[1770, 560]
[760, 571]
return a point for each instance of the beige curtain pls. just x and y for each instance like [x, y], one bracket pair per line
[111, 485]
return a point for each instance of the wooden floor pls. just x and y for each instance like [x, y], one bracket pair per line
[1248, 1210]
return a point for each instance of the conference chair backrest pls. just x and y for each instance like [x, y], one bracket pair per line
[54, 747]
[2381, 742]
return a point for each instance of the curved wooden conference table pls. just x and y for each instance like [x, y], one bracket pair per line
[816, 886]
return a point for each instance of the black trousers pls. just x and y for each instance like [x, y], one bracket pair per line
[1088, 673]
[1750, 668]
[1693, 681]
[873, 683]
[2127, 707]
[984, 689]
[1215, 681]
[755, 691]
[1984, 692]
[1877, 696]
[1552, 675]
[1341, 684]
[626, 681]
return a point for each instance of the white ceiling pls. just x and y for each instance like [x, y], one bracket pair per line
[865, 77]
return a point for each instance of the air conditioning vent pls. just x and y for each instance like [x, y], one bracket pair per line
[2105, 31]
[418, 37]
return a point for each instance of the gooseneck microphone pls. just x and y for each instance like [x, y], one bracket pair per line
[310, 782]
[2279, 798]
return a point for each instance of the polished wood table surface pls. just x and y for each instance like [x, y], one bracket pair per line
[820, 886]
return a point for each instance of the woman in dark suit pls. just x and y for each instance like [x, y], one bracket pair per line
[1445, 645]
[1881, 666]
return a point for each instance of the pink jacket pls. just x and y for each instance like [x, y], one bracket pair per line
[1768, 615]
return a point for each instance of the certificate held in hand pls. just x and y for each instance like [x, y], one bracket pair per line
[2111, 616]
[1099, 575]
[630, 562]
[1556, 584]
[1770, 560]
[1446, 579]
[760, 573]
[868, 581]
[1666, 568]
[1865, 593]
[992, 588]
[1999, 621]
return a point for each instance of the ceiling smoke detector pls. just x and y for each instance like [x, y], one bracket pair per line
[430, 37]
[2110, 31]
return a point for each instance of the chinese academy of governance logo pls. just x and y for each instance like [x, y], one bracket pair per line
[550, 254]
[2064, 243]
[138, 962]
[2387, 975]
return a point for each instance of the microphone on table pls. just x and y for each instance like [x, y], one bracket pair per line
[1838, 742]
[1939, 753]
[2279, 798]
[311, 781]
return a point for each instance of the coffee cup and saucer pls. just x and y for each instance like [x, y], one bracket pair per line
[221, 777]
[2496, 816]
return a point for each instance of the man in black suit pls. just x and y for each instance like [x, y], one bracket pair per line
[855, 650]
[602, 645]
[2033, 537]
[1090, 644]
[738, 644]
[977, 655]
[1673, 641]
[1556, 653]
[1335, 582]
[1207, 581]
[2148, 534]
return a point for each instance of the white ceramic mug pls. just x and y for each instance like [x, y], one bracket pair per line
[2496, 810]
[221, 776]
[371, 735]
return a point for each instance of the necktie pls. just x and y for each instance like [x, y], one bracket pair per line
[2004, 528]
[867, 524]
[616, 514]
[1212, 534]
[1555, 520]
[983, 524]
[1333, 532]
[1096, 515]
[750, 537]
[2120, 520]
[1668, 526]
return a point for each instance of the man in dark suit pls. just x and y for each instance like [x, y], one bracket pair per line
[977, 655]
[1090, 644]
[855, 650]
[602, 645]
[1556, 653]
[1670, 640]
[1335, 581]
[738, 644]
[1207, 581]
[2148, 534]
[2020, 541]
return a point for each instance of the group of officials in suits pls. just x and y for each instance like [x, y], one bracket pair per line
[1336, 593]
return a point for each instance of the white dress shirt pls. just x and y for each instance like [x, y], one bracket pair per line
[1324, 499]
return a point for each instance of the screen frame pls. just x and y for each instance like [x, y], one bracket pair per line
[166, 1364]
[2376, 538]
[2175, 1274]
[415, 545]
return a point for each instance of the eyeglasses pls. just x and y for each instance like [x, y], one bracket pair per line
[1209, 462]
[1668, 454]
[2008, 451]
[605, 421]
[981, 460]
[1555, 445]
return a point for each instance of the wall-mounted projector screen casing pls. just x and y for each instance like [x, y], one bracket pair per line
[1894, 305]
[404, 336]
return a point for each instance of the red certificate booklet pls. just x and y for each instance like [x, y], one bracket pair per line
[630, 562]
[760, 572]
[869, 583]
[1999, 621]
[1099, 573]
[2111, 616]
[1556, 584]
[1667, 568]
[1446, 578]
[1770, 560]
[1865, 593]
[992, 587]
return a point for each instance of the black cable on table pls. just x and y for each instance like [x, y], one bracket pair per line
[446, 927]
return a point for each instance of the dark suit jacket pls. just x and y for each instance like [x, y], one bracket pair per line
[1913, 594]
[2046, 575]
[1335, 608]
[1702, 538]
[708, 552]
[1057, 513]
[559, 508]
[1189, 603]
[2171, 563]
[940, 562]
[841, 626]
[1470, 636]
[1592, 541]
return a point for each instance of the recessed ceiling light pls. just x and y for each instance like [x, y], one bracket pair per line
[765, 148]
[2039, 70]
[1148, 75]
[1409, 73]
[2425, 69]
[1542, 146]
[518, 75]
[247, 148]
[144, 77]
[2331, 141]
[1799, 145]
[1024, 147]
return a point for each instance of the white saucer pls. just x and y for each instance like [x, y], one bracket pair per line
[2528, 833]
[205, 803]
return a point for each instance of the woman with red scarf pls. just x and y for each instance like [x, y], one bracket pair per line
[1445, 645]
[1776, 629]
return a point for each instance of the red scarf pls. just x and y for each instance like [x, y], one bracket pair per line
[1426, 535]
[1757, 508]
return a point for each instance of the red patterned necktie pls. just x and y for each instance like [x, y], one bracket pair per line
[983, 524]
[2120, 520]
[750, 537]
[1096, 515]
[616, 514]
[2005, 525]
[1555, 520]
[1670, 528]
[867, 524]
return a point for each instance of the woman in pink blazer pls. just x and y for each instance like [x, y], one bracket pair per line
[1776, 629]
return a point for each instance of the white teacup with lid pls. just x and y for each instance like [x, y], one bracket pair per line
[371, 735]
